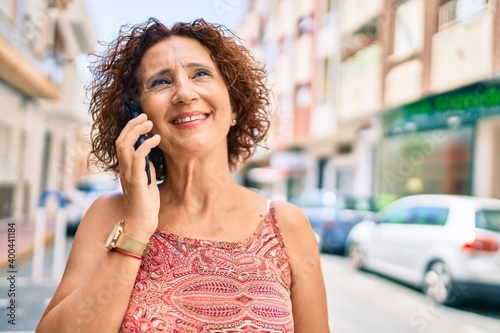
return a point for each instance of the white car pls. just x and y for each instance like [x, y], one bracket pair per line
[447, 245]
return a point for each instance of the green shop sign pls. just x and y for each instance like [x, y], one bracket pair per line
[454, 108]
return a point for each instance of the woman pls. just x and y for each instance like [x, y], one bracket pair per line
[193, 251]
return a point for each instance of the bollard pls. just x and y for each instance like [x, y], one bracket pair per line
[59, 243]
[39, 245]
[59, 237]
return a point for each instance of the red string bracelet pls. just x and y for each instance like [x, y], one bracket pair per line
[128, 254]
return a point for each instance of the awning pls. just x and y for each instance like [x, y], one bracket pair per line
[453, 108]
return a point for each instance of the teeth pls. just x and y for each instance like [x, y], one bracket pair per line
[188, 119]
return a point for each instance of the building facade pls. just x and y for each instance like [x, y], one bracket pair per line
[435, 93]
[284, 36]
[403, 95]
[43, 118]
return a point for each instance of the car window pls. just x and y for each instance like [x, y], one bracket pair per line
[488, 219]
[430, 215]
[397, 216]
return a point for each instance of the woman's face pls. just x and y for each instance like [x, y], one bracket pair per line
[185, 96]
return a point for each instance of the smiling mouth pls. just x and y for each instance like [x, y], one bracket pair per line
[190, 119]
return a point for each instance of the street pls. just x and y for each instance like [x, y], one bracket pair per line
[358, 302]
[361, 302]
[30, 298]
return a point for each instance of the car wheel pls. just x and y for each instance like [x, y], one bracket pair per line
[357, 256]
[438, 284]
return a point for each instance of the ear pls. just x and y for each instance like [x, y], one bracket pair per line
[234, 119]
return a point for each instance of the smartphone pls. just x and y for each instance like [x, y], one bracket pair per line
[133, 110]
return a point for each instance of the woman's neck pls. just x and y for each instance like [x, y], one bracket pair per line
[199, 183]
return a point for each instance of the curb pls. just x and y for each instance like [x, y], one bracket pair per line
[27, 251]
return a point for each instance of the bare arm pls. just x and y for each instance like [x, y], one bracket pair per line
[308, 290]
[95, 290]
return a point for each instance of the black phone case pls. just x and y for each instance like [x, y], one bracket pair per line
[133, 110]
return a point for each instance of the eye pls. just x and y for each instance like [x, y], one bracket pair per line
[202, 72]
[158, 82]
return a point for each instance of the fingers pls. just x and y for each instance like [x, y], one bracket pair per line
[131, 132]
[133, 161]
[147, 145]
[152, 170]
[138, 164]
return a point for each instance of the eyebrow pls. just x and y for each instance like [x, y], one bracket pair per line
[168, 71]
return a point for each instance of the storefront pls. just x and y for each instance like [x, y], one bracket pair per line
[444, 143]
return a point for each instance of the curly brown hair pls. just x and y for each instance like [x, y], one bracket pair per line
[115, 79]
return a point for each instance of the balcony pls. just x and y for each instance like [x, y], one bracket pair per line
[20, 72]
[462, 49]
[356, 13]
[360, 92]
[33, 48]
[403, 83]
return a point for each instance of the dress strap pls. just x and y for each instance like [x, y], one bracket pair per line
[269, 203]
[271, 220]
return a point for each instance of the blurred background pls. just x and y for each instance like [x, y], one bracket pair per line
[371, 98]
[373, 101]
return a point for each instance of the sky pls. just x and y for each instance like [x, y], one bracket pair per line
[109, 16]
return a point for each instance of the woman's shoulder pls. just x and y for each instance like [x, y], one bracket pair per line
[108, 203]
[104, 212]
[289, 215]
[297, 233]
[110, 197]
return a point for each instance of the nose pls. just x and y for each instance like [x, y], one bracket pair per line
[185, 91]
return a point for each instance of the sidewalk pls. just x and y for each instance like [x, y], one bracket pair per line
[23, 300]
[24, 231]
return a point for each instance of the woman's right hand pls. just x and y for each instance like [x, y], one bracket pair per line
[141, 201]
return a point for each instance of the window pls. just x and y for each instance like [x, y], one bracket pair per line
[469, 9]
[305, 25]
[420, 215]
[408, 27]
[398, 216]
[440, 159]
[303, 96]
[430, 216]
[452, 11]
[488, 219]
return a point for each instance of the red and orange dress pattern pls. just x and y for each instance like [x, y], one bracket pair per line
[190, 285]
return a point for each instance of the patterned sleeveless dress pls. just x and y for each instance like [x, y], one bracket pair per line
[190, 285]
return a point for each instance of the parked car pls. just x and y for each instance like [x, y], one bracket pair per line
[88, 188]
[447, 245]
[332, 215]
